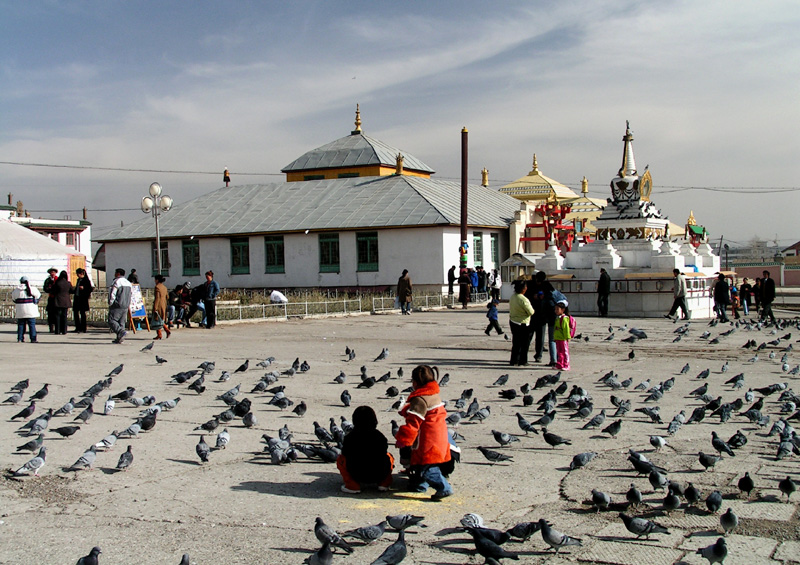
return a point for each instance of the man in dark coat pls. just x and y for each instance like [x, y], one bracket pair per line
[404, 289]
[451, 278]
[722, 297]
[80, 305]
[540, 293]
[767, 296]
[47, 288]
[603, 290]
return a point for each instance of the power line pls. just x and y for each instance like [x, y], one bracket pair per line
[130, 170]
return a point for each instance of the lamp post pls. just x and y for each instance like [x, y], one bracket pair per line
[155, 204]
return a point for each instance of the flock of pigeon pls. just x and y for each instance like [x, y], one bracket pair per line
[557, 405]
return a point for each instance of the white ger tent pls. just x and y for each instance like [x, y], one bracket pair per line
[25, 252]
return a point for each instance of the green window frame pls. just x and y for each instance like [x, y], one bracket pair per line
[349, 175]
[274, 261]
[164, 258]
[329, 253]
[477, 248]
[240, 256]
[367, 250]
[495, 243]
[313, 177]
[190, 250]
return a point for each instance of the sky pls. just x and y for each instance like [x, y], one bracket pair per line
[711, 90]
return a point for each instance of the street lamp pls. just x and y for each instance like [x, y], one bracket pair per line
[155, 204]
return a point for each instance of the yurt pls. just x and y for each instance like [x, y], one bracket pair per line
[25, 252]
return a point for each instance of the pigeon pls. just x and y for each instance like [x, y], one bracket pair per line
[596, 421]
[368, 534]
[490, 549]
[249, 420]
[326, 534]
[34, 464]
[13, 399]
[581, 460]
[658, 442]
[556, 539]
[223, 438]
[66, 431]
[525, 425]
[786, 486]
[501, 380]
[116, 370]
[85, 461]
[160, 360]
[21, 386]
[185, 560]
[125, 460]
[720, 445]
[202, 449]
[108, 442]
[92, 558]
[716, 552]
[503, 438]
[714, 502]
[404, 521]
[209, 426]
[26, 412]
[708, 461]
[472, 520]
[728, 521]
[600, 500]
[523, 530]
[383, 354]
[671, 502]
[658, 480]
[32, 445]
[323, 556]
[633, 496]
[108, 406]
[685, 369]
[642, 527]
[243, 367]
[300, 409]
[613, 428]
[395, 553]
[494, 456]
[554, 440]
[148, 347]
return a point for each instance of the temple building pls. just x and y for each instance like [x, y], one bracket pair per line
[351, 214]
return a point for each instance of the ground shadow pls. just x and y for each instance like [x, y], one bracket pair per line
[324, 485]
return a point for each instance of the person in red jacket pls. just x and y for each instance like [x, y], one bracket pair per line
[423, 440]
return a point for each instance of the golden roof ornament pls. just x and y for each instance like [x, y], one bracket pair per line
[584, 186]
[485, 177]
[691, 221]
[399, 169]
[358, 121]
[535, 170]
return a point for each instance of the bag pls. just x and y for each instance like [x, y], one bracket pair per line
[573, 326]
[156, 323]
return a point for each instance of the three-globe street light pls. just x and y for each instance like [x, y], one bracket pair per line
[155, 204]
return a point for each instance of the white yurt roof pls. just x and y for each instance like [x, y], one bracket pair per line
[25, 252]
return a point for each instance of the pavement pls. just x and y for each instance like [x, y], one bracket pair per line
[240, 509]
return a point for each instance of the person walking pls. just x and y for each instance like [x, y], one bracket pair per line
[679, 295]
[61, 300]
[492, 315]
[47, 288]
[210, 299]
[519, 317]
[463, 288]
[160, 298]
[451, 278]
[119, 303]
[757, 293]
[133, 278]
[744, 296]
[26, 298]
[404, 290]
[82, 292]
[722, 297]
[603, 291]
[767, 297]
[423, 439]
[495, 284]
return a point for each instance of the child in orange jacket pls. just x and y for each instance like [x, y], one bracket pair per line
[423, 440]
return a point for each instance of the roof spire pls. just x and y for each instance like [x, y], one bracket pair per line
[535, 170]
[358, 121]
[585, 186]
[628, 168]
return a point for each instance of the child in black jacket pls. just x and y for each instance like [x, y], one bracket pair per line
[365, 458]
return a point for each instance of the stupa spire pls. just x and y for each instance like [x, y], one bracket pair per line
[535, 170]
[628, 168]
[358, 121]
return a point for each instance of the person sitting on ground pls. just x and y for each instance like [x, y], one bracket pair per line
[175, 308]
[365, 458]
[423, 440]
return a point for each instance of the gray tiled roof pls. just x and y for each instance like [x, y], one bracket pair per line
[333, 204]
[355, 150]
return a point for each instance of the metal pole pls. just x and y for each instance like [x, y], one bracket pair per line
[158, 237]
[464, 161]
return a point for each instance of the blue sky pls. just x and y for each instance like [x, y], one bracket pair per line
[710, 89]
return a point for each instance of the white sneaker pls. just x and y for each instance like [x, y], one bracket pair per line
[382, 488]
[349, 491]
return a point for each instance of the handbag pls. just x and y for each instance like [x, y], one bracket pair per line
[156, 323]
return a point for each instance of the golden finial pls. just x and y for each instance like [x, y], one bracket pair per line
[485, 177]
[399, 169]
[535, 170]
[584, 186]
[691, 221]
[358, 121]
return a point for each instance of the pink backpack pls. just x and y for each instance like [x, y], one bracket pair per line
[573, 326]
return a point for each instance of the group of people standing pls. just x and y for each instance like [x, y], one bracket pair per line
[537, 309]
[472, 282]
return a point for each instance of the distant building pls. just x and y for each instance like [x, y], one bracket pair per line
[352, 214]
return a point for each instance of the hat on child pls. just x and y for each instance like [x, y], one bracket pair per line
[562, 303]
[23, 279]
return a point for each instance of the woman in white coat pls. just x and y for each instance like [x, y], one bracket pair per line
[26, 298]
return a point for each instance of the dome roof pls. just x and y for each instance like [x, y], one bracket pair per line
[536, 186]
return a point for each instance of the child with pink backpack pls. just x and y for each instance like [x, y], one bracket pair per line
[564, 330]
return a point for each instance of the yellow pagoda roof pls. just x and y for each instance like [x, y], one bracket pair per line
[536, 186]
